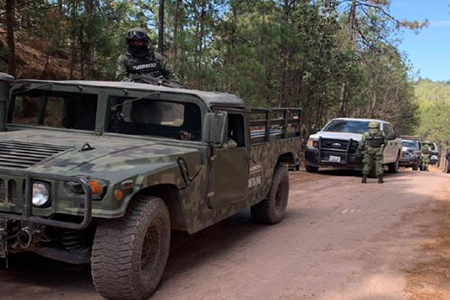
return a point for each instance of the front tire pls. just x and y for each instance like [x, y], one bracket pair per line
[129, 254]
[271, 210]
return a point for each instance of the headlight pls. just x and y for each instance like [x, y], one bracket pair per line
[312, 143]
[41, 194]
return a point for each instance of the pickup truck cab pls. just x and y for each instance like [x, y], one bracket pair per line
[101, 172]
[336, 144]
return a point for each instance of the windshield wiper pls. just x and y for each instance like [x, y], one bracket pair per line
[33, 88]
[135, 99]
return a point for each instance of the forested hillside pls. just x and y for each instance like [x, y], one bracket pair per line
[433, 100]
[330, 57]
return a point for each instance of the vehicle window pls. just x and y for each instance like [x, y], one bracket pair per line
[53, 109]
[387, 128]
[347, 126]
[155, 118]
[236, 129]
[410, 144]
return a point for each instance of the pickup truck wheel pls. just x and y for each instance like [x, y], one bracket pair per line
[271, 209]
[393, 167]
[312, 169]
[415, 167]
[129, 254]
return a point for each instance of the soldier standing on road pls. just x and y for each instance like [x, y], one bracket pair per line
[426, 153]
[372, 143]
[140, 59]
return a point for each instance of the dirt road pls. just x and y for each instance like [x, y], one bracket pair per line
[340, 240]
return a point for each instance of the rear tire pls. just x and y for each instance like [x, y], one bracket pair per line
[129, 254]
[393, 167]
[312, 169]
[415, 167]
[271, 210]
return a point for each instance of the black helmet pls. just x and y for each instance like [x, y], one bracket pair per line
[137, 34]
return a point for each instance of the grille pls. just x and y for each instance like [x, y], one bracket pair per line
[8, 191]
[12, 191]
[338, 145]
[331, 146]
[24, 155]
[2, 191]
[337, 148]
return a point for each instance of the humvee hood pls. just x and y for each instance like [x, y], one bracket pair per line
[69, 153]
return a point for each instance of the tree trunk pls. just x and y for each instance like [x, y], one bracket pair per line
[200, 46]
[161, 27]
[73, 54]
[175, 32]
[10, 9]
[284, 60]
[88, 45]
[343, 99]
[82, 49]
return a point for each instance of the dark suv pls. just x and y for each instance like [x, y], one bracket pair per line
[411, 157]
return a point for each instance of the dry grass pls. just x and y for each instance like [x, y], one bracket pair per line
[430, 279]
[32, 61]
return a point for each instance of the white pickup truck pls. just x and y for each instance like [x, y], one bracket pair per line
[335, 145]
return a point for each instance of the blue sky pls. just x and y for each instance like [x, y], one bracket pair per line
[428, 51]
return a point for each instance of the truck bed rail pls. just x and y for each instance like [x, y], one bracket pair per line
[269, 124]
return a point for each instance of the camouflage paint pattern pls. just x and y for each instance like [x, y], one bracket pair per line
[145, 161]
[199, 215]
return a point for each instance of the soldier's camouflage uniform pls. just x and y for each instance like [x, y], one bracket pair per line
[426, 154]
[140, 63]
[154, 64]
[373, 146]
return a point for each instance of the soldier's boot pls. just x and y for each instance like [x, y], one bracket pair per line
[380, 179]
[364, 180]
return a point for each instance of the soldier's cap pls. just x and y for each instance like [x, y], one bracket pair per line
[374, 125]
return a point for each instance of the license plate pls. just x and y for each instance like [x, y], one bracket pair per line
[434, 157]
[335, 158]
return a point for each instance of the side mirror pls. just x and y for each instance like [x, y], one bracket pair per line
[5, 81]
[215, 128]
[391, 136]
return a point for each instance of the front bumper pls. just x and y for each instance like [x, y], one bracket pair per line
[22, 208]
[434, 160]
[408, 161]
[348, 160]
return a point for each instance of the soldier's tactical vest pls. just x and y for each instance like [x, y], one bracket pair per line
[375, 141]
[144, 65]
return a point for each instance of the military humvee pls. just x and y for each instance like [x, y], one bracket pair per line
[101, 172]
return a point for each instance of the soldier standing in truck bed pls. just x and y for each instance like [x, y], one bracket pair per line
[372, 143]
[141, 59]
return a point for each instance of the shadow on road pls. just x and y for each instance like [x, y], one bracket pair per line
[186, 253]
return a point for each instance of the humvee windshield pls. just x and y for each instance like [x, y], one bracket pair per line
[150, 117]
[54, 109]
[347, 126]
